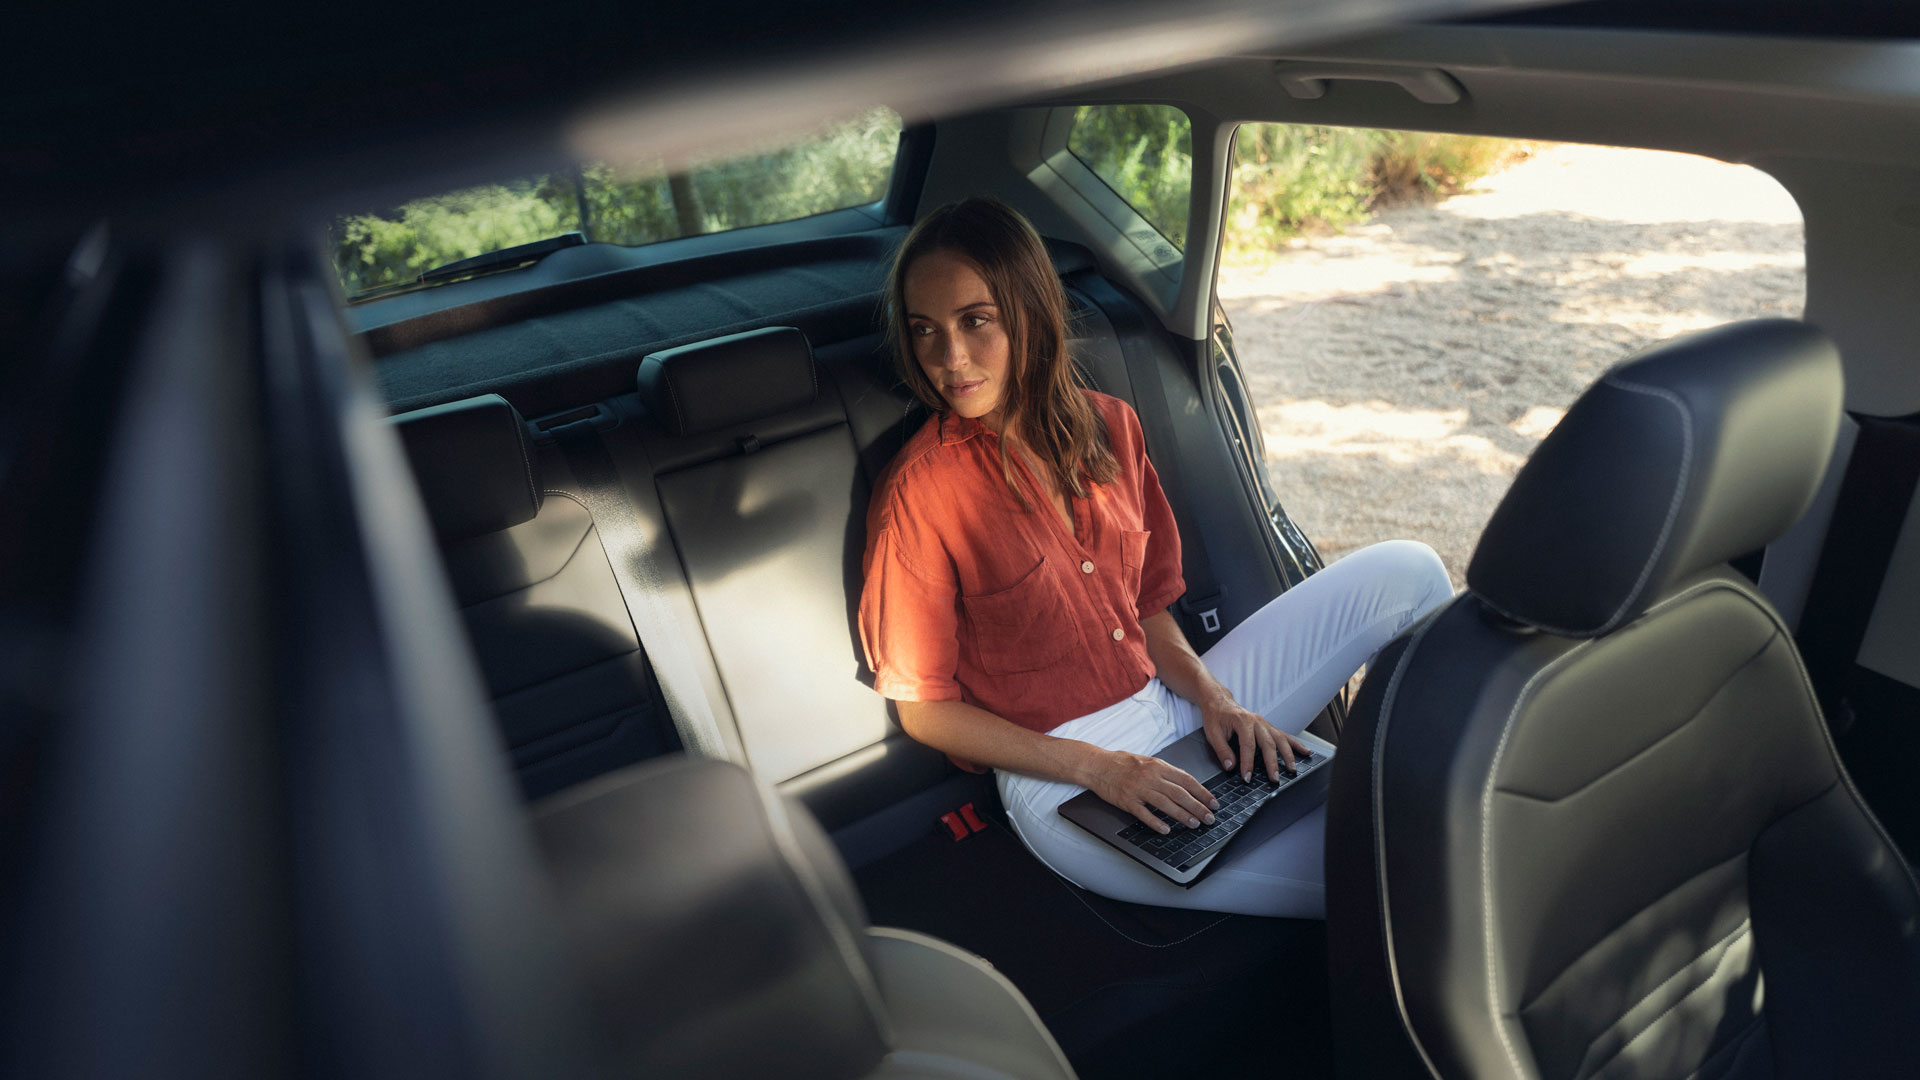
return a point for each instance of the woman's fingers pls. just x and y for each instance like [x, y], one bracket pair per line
[1250, 746]
[1193, 808]
[1269, 750]
[1222, 749]
[1195, 788]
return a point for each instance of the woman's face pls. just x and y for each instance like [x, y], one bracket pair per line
[958, 336]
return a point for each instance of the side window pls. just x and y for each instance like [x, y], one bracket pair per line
[1145, 154]
[842, 166]
[1412, 313]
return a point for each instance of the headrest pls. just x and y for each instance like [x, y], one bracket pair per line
[729, 381]
[474, 463]
[1693, 452]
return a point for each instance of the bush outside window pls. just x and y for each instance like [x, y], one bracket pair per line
[845, 165]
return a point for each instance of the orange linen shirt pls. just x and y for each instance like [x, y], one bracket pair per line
[969, 597]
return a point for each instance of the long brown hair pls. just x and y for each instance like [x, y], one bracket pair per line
[1042, 402]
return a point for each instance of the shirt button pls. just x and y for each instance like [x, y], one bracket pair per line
[1118, 633]
[1086, 567]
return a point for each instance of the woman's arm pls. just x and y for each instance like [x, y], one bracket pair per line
[1132, 782]
[1182, 670]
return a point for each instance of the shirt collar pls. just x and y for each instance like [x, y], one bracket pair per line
[955, 428]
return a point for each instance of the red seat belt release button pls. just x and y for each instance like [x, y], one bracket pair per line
[972, 818]
[954, 825]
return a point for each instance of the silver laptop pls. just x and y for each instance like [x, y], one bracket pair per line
[1255, 809]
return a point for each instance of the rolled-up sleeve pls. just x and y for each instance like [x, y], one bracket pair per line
[908, 623]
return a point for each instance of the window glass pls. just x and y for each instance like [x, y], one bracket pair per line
[844, 165]
[1145, 154]
[1413, 313]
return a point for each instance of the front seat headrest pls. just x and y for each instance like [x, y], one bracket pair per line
[1697, 450]
[474, 462]
[729, 381]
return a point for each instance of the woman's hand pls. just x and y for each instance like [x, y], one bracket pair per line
[1259, 741]
[1140, 784]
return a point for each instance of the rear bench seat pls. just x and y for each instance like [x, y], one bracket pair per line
[752, 459]
[747, 462]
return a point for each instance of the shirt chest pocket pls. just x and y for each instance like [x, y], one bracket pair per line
[1024, 627]
[1133, 558]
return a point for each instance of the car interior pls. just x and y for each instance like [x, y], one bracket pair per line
[466, 681]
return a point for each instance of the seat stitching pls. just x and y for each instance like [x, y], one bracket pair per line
[1826, 736]
[1650, 747]
[1379, 824]
[1486, 820]
[1744, 928]
[1616, 928]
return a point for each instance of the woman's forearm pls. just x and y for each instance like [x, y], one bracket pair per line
[1176, 663]
[976, 735]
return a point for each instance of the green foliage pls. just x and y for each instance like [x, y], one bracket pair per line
[1290, 177]
[1287, 177]
[1145, 154]
[844, 165]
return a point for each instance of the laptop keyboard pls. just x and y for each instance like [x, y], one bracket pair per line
[1238, 798]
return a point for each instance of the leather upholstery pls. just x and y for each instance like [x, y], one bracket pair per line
[730, 380]
[474, 465]
[1698, 450]
[1631, 853]
[569, 681]
[753, 957]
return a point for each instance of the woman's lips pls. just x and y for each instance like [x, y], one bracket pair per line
[964, 389]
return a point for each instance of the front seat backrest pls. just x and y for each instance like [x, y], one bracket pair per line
[1587, 820]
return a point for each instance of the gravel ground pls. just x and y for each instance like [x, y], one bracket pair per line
[1403, 370]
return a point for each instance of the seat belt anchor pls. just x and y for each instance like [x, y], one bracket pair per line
[1207, 608]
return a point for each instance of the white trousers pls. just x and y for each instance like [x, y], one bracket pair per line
[1285, 662]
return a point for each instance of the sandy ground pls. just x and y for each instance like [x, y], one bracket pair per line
[1405, 369]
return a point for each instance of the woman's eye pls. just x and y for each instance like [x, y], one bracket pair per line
[976, 321]
[921, 330]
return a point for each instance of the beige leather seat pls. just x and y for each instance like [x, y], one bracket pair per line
[720, 936]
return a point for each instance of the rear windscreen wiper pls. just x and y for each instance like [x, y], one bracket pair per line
[505, 257]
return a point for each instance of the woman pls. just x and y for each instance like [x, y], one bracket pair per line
[1020, 560]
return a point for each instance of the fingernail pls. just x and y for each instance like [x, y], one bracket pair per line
[1209, 819]
[1226, 763]
[1194, 822]
[1163, 829]
[1213, 804]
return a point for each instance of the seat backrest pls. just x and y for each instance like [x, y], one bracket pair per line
[1587, 820]
[569, 680]
[762, 487]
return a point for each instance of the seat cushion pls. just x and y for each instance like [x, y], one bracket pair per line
[955, 1016]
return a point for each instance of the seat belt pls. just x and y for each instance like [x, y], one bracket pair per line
[641, 570]
[1201, 604]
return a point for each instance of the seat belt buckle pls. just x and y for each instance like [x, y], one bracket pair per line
[972, 817]
[951, 819]
[1206, 608]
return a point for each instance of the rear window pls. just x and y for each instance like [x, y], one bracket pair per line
[1145, 154]
[843, 165]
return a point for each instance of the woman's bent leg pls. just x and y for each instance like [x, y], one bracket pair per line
[1285, 662]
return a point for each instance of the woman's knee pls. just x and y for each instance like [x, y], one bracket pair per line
[1410, 567]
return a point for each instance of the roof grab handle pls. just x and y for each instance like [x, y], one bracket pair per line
[1307, 79]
